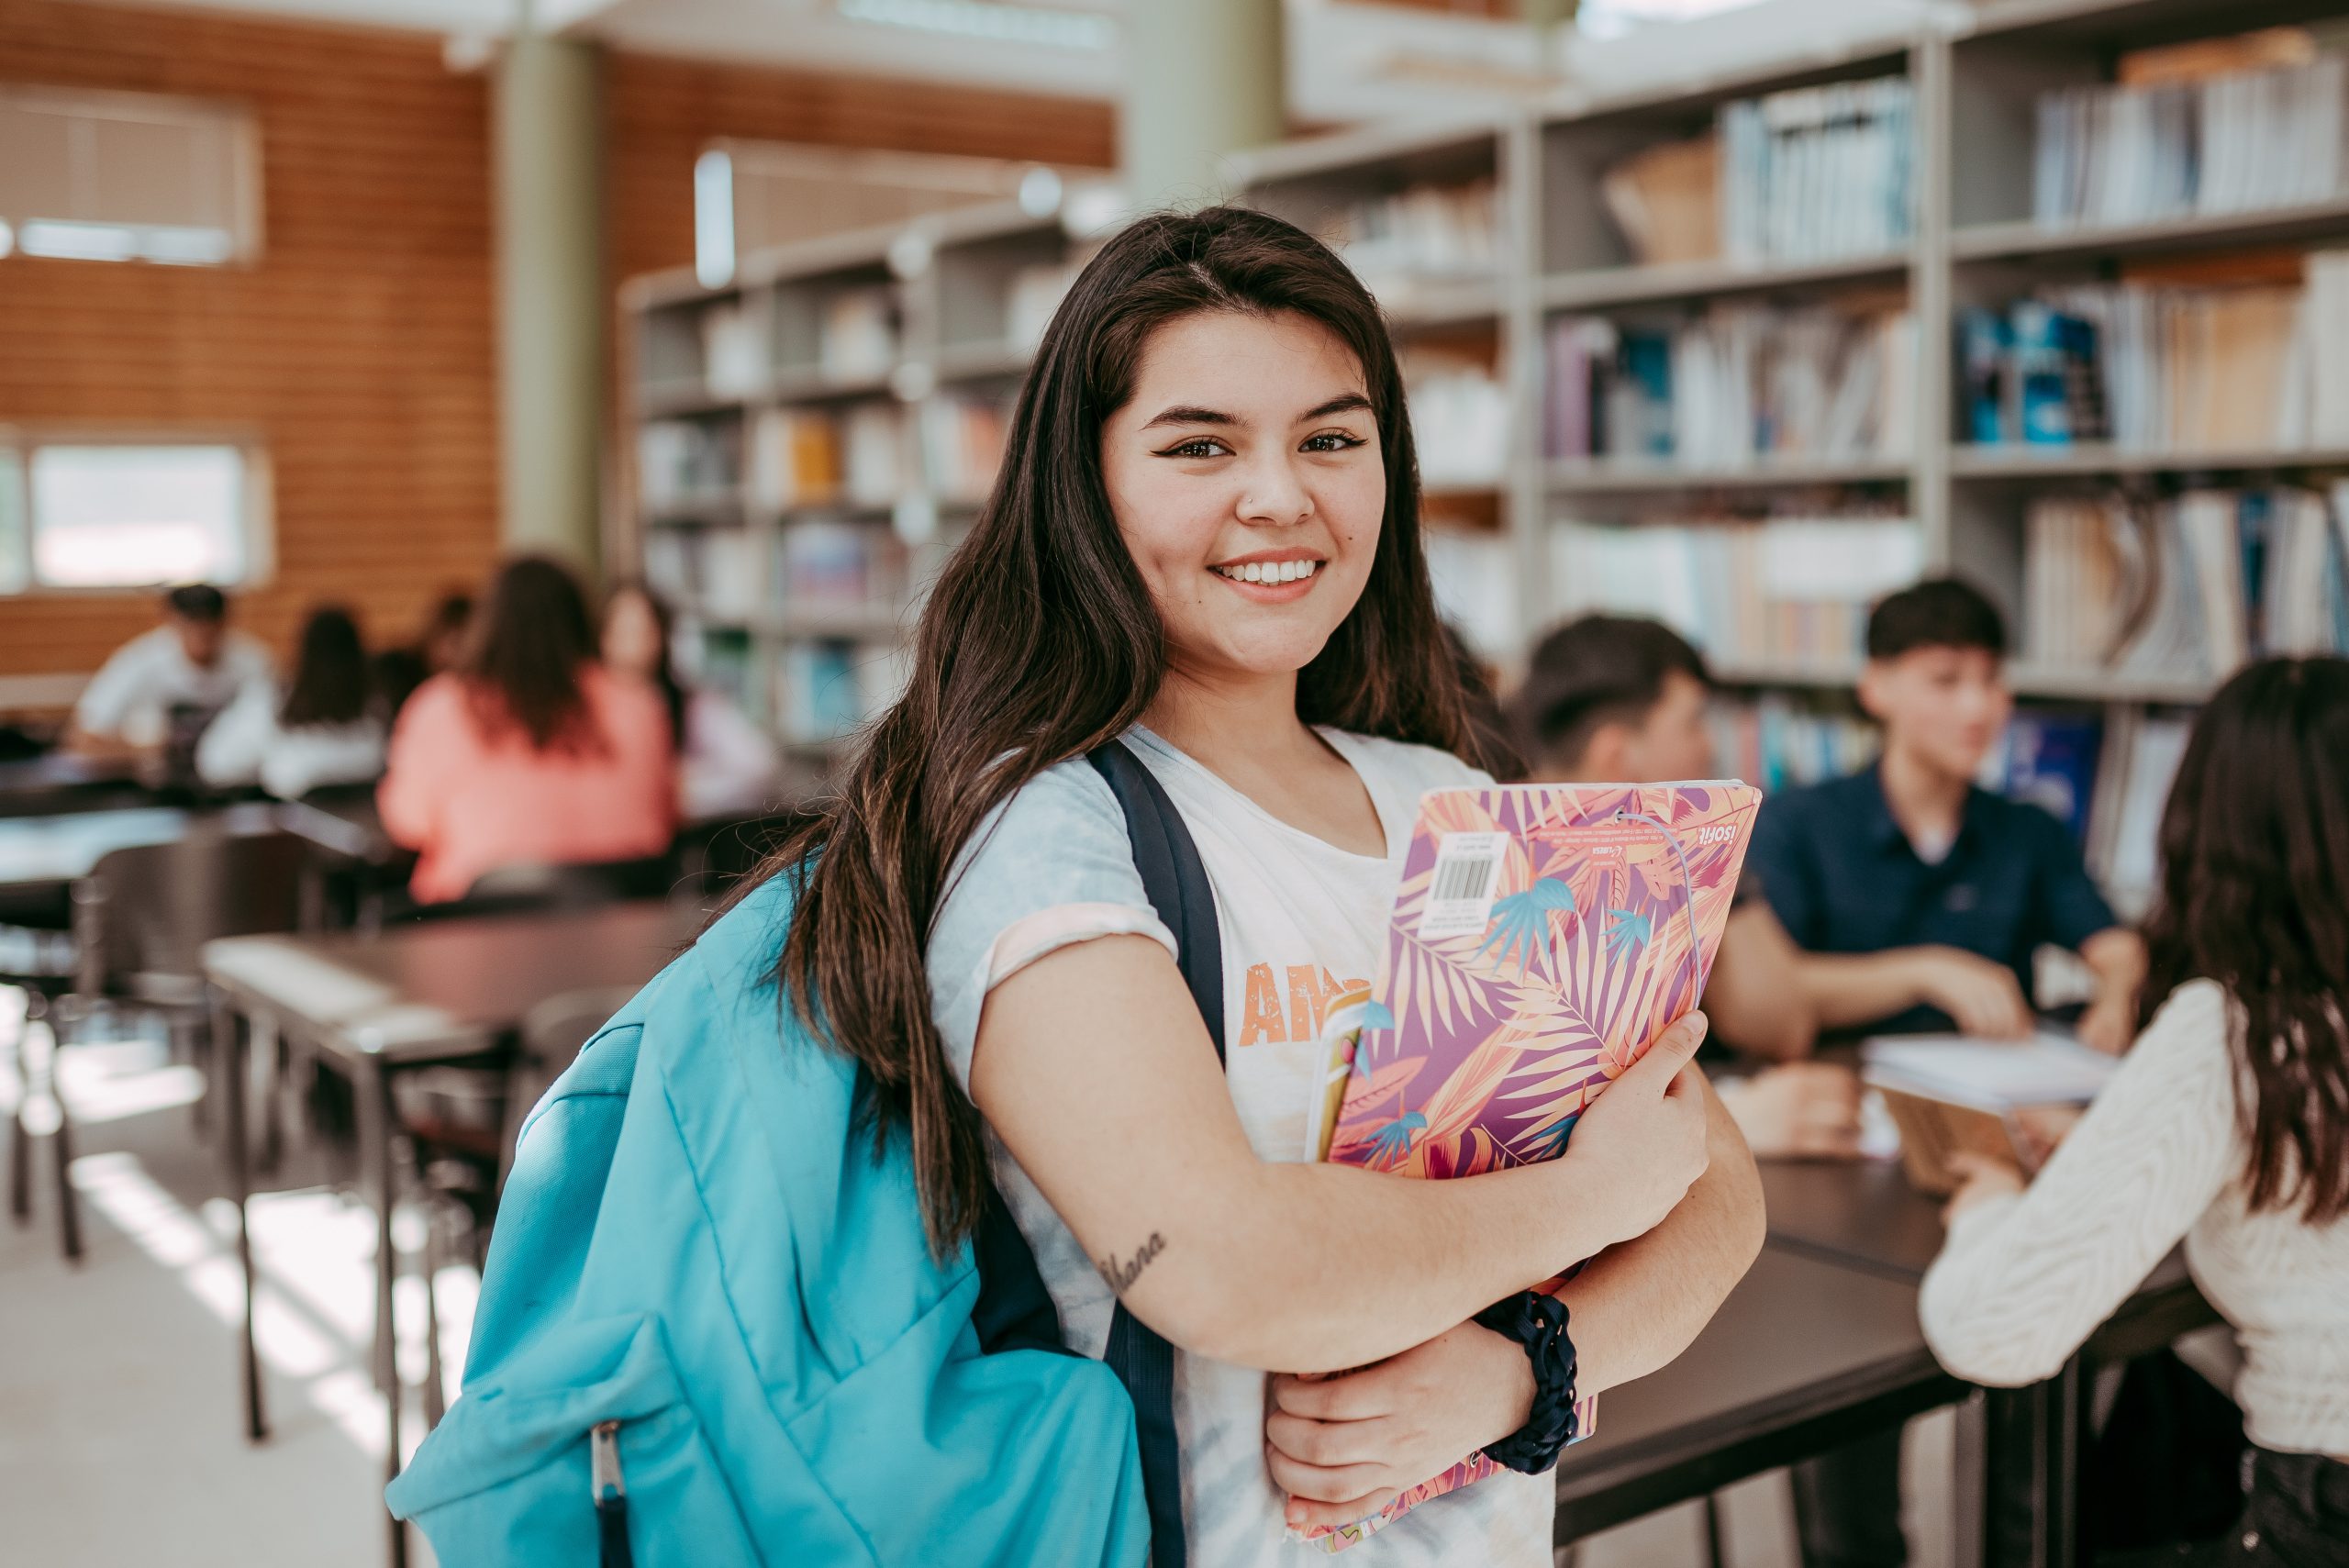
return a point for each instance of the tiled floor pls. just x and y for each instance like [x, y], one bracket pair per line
[120, 1438]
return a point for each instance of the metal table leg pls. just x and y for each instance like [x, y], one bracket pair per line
[373, 1093]
[227, 1059]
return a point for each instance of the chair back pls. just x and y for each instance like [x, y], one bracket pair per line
[518, 889]
[551, 1037]
[143, 914]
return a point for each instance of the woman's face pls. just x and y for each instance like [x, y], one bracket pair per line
[631, 635]
[1247, 480]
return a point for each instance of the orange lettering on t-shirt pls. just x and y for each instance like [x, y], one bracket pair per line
[1307, 1000]
[1260, 1013]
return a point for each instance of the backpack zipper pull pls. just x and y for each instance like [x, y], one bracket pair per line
[608, 1487]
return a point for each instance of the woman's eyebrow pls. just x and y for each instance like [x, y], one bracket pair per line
[1344, 403]
[1184, 414]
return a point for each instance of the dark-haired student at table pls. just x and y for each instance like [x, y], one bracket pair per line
[2226, 1128]
[727, 766]
[1919, 900]
[164, 686]
[327, 730]
[531, 752]
[1618, 699]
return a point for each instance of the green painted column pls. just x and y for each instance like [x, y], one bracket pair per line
[1203, 78]
[548, 135]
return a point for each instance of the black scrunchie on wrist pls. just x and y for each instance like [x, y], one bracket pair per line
[1538, 1322]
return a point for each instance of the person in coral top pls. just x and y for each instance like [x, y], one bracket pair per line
[529, 752]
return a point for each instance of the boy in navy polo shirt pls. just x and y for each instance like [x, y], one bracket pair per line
[1920, 898]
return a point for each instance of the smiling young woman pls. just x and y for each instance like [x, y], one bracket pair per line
[1205, 543]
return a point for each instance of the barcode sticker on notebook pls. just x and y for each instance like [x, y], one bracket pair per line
[1460, 894]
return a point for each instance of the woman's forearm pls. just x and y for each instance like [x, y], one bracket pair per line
[1641, 1303]
[1321, 1268]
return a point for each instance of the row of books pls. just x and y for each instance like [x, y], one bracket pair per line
[2248, 365]
[1778, 742]
[1776, 591]
[2195, 132]
[680, 463]
[2190, 587]
[820, 457]
[1737, 382]
[727, 573]
[1460, 418]
[961, 444]
[825, 690]
[856, 332]
[1422, 230]
[1818, 171]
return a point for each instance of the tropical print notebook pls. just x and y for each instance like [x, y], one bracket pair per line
[1544, 936]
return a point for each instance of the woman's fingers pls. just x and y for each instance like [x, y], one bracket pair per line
[1349, 1396]
[1304, 1514]
[1324, 1444]
[1323, 1483]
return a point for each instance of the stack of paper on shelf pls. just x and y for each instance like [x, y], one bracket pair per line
[1424, 230]
[874, 454]
[857, 334]
[1460, 418]
[1666, 200]
[681, 462]
[733, 357]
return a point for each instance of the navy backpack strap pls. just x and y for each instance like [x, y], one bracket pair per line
[1177, 881]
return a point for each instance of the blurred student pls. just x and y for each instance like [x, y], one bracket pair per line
[438, 649]
[1920, 896]
[327, 731]
[725, 765]
[166, 683]
[1919, 900]
[529, 752]
[2227, 1125]
[1617, 699]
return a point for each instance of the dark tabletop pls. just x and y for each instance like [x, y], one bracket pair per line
[445, 985]
[59, 782]
[1803, 1354]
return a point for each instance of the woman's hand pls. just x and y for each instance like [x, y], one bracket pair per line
[1341, 1446]
[2109, 1023]
[1980, 1179]
[1641, 1146]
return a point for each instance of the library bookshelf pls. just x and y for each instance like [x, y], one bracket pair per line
[1479, 237]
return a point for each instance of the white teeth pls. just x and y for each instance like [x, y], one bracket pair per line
[1269, 572]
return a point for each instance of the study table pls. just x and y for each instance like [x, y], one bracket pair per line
[1865, 1216]
[412, 995]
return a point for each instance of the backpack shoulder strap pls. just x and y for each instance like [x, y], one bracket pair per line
[1177, 881]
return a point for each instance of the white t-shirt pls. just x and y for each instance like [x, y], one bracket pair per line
[730, 765]
[134, 690]
[1298, 918]
[249, 744]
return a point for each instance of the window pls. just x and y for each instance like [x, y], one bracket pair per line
[107, 514]
[128, 177]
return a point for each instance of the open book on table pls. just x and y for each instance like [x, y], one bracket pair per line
[1952, 1093]
[1544, 936]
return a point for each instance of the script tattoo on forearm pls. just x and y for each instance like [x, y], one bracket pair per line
[1120, 1276]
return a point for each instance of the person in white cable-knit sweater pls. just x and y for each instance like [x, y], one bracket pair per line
[2226, 1127]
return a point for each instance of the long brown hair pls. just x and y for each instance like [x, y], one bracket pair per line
[532, 643]
[2255, 850]
[1040, 642]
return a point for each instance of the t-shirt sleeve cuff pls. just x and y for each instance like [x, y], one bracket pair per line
[1031, 937]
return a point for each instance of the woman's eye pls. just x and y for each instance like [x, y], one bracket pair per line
[1200, 446]
[1331, 441]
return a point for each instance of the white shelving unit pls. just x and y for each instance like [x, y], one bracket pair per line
[1975, 74]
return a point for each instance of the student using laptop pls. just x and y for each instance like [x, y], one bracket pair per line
[2227, 1127]
[1623, 700]
[1919, 900]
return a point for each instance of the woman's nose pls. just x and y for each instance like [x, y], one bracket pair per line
[1274, 494]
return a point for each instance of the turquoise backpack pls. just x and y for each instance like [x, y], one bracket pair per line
[712, 1331]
